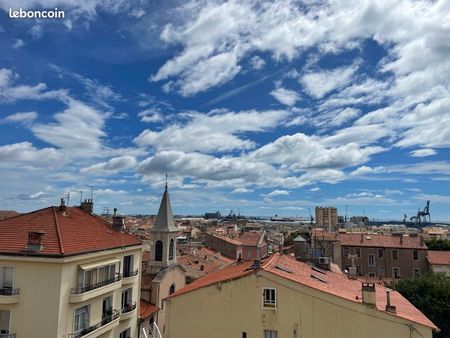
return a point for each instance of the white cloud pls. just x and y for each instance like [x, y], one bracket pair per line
[257, 62]
[278, 193]
[112, 166]
[216, 131]
[285, 96]
[423, 152]
[25, 117]
[241, 190]
[151, 115]
[25, 152]
[18, 44]
[318, 84]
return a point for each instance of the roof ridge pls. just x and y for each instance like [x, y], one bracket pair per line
[58, 232]
[25, 213]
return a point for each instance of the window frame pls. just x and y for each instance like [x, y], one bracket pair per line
[357, 252]
[271, 334]
[397, 254]
[88, 307]
[373, 259]
[159, 251]
[8, 329]
[382, 253]
[2, 285]
[413, 255]
[270, 304]
[393, 272]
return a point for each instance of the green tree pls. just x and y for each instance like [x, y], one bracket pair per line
[438, 244]
[430, 293]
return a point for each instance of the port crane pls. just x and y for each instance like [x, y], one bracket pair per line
[422, 215]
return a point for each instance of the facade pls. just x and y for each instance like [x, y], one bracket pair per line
[249, 245]
[282, 297]
[383, 256]
[162, 274]
[68, 273]
[439, 261]
[326, 217]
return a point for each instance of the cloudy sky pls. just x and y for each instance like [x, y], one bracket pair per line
[261, 107]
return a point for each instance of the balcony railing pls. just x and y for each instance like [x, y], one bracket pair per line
[9, 292]
[130, 273]
[7, 335]
[105, 320]
[129, 308]
[83, 289]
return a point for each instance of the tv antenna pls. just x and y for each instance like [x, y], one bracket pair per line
[92, 191]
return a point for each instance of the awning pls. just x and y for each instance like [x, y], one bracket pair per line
[94, 265]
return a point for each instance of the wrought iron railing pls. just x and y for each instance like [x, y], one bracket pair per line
[128, 308]
[86, 288]
[130, 273]
[9, 292]
[7, 335]
[105, 320]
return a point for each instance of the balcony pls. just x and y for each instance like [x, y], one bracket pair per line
[128, 311]
[9, 335]
[9, 296]
[129, 276]
[83, 293]
[106, 324]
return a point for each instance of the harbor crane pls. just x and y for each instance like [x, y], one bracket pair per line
[422, 215]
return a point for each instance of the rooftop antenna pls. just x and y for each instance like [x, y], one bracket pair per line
[81, 196]
[92, 192]
[68, 198]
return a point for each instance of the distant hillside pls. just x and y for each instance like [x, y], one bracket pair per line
[4, 214]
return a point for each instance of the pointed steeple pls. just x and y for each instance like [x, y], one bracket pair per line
[164, 220]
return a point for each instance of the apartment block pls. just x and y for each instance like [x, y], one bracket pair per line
[282, 297]
[65, 272]
[383, 256]
[326, 217]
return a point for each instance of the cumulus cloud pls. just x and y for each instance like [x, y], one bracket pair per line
[285, 96]
[25, 117]
[423, 152]
[278, 193]
[25, 152]
[111, 166]
[216, 131]
[18, 44]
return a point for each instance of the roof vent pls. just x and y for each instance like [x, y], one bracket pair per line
[62, 206]
[389, 308]
[35, 240]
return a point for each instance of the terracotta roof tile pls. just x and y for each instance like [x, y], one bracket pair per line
[69, 233]
[439, 257]
[384, 241]
[147, 309]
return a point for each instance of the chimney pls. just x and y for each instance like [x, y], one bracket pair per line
[87, 205]
[401, 239]
[368, 293]
[389, 308]
[362, 237]
[35, 240]
[62, 206]
[256, 264]
[118, 222]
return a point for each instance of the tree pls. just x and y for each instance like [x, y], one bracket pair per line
[430, 293]
[438, 244]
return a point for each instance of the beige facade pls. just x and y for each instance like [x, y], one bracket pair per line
[234, 308]
[326, 217]
[49, 295]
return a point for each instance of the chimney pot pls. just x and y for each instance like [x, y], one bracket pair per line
[87, 206]
[389, 308]
[369, 293]
[62, 206]
[118, 221]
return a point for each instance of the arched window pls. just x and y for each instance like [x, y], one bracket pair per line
[171, 249]
[158, 251]
[172, 289]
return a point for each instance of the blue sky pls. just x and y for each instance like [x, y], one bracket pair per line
[262, 107]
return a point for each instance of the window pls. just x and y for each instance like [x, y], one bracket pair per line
[416, 272]
[396, 272]
[371, 260]
[381, 272]
[107, 307]
[126, 333]
[128, 265]
[416, 255]
[346, 252]
[158, 251]
[395, 254]
[358, 270]
[371, 274]
[244, 334]
[6, 277]
[81, 321]
[127, 297]
[269, 298]
[97, 276]
[171, 249]
[358, 252]
[4, 321]
[172, 289]
[380, 253]
[270, 334]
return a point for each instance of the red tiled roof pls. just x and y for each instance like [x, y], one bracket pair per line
[69, 233]
[336, 284]
[439, 257]
[382, 241]
[147, 309]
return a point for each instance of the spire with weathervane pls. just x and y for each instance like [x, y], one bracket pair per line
[164, 220]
